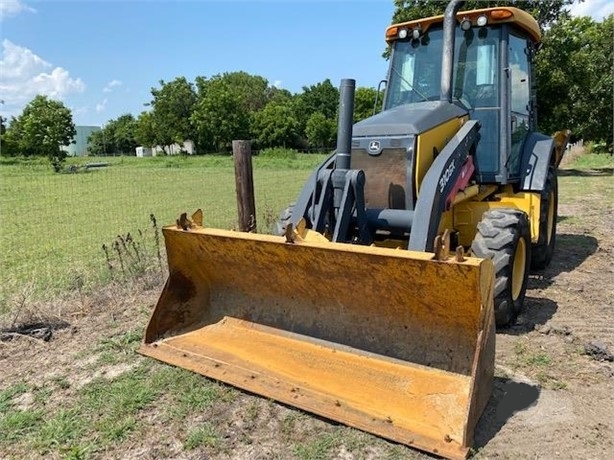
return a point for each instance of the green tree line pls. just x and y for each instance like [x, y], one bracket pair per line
[212, 112]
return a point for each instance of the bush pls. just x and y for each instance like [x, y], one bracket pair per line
[57, 159]
[597, 147]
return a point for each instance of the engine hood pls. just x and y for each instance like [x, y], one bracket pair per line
[408, 119]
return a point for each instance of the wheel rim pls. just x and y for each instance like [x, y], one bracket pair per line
[518, 270]
[550, 216]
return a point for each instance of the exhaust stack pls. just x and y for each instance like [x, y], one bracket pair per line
[449, 31]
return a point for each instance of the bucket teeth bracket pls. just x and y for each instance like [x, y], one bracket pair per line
[186, 224]
[442, 246]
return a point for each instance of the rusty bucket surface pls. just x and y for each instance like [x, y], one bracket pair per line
[385, 340]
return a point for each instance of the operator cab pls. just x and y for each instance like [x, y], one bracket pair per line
[491, 79]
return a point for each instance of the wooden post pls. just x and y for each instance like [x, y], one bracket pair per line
[246, 203]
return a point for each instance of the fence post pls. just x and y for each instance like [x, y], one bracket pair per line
[244, 176]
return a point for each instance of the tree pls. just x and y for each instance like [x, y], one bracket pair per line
[97, 143]
[7, 145]
[145, 130]
[322, 97]
[219, 116]
[253, 90]
[320, 130]
[575, 78]
[116, 136]
[229, 100]
[276, 126]
[279, 95]
[172, 107]
[364, 102]
[44, 126]
[124, 139]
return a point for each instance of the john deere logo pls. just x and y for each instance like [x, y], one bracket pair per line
[374, 147]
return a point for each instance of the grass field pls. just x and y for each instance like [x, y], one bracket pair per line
[54, 225]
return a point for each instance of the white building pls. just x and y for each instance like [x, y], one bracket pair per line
[143, 151]
[174, 149]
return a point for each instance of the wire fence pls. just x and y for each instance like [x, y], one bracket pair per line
[53, 226]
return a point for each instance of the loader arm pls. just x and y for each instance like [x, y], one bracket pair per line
[439, 183]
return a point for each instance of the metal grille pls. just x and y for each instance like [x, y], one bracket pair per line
[386, 177]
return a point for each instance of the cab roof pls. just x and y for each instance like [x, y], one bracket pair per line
[496, 15]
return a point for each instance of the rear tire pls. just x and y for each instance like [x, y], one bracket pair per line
[542, 251]
[504, 237]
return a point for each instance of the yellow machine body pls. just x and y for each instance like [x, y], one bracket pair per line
[389, 341]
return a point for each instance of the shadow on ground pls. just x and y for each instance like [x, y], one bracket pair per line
[571, 251]
[508, 397]
[586, 172]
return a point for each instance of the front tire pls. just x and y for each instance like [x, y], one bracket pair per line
[542, 251]
[504, 237]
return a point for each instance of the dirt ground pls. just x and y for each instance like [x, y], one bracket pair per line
[554, 389]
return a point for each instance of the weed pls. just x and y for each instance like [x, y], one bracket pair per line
[203, 436]
[20, 300]
[78, 452]
[154, 225]
[318, 449]
[355, 441]
[7, 396]
[116, 430]
[191, 392]
[558, 385]
[524, 357]
[252, 411]
[269, 219]
[17, 424]
[124, 343]
[548, 381]
[61, 429]
[125, 395]
[61, 382]
[128, 256]
[107, 358]
[538, 359]
[396, 453]
[288, 423]
[42, 394]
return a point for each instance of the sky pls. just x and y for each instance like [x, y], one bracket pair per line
[101, 58]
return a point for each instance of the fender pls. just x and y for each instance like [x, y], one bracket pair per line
[438, 184]
[537, 156]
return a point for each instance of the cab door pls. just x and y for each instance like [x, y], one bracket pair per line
[520, 106]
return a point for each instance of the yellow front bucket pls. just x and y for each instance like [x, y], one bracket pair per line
[385, 340]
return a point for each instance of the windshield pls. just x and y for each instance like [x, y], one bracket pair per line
[415, 68]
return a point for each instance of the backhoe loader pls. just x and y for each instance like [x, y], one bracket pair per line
[376, 305]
